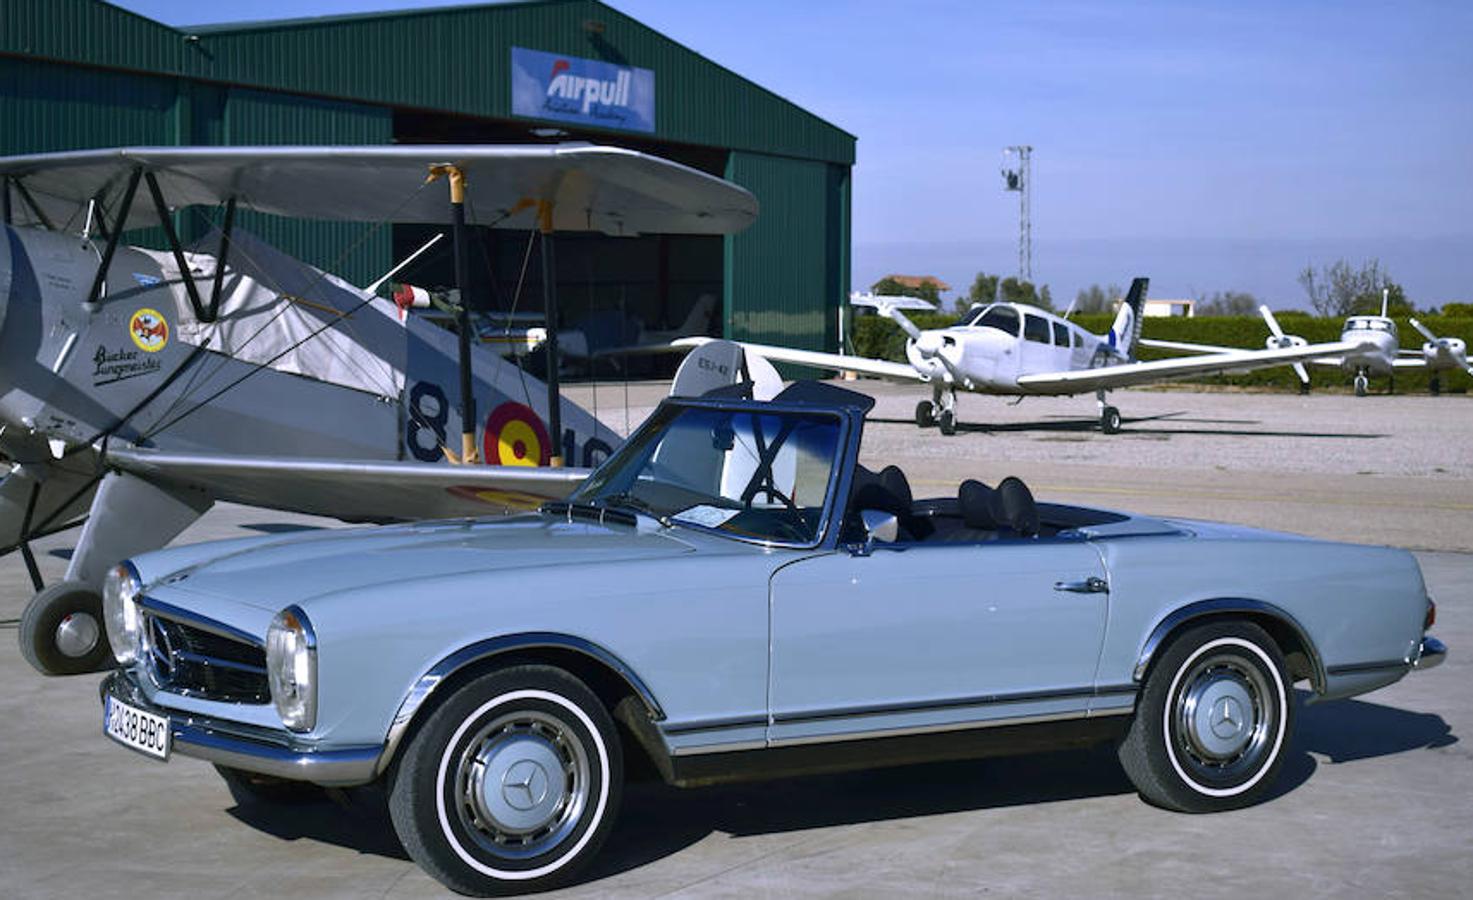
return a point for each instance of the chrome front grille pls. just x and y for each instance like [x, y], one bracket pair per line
[190, 660]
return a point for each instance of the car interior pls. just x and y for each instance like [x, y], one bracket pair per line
[978, 513]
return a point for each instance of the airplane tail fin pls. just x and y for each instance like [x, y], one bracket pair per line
[1125, 334]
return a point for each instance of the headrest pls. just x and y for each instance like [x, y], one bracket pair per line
[875, 496]
[975, 502]
[1013, 507]
[896, 483]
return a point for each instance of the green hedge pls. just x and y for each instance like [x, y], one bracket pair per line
[878, 337]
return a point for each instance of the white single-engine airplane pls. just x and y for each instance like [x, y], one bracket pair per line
[1379, 352]
[138, 387]
[1012, 349]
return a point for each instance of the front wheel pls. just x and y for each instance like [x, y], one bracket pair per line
[947, 422]
[1110, 420]
[61, 631]
[513, 783]
[1213, 722]
[925, 414]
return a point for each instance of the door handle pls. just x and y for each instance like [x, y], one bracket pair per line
[1090, 585]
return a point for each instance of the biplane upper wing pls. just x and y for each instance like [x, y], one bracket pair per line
[568, 187]
[353, 490]
[880, 368]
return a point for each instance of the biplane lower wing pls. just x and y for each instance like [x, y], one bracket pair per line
[354, 490]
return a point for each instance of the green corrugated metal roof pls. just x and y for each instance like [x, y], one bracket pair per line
[397, 59]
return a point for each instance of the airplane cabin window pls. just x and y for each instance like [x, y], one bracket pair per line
[1003, 318]
[1061, 334]
[1036, 329]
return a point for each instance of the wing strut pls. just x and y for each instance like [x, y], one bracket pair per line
[456, 178]
[549, 312]
[113, 237]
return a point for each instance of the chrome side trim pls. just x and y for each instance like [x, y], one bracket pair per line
[1358, 668]
[730, 747]
[1432, 654]
[426, 683]
[1080, 693]
[180, 614]
[249, 747]
[924, 729]
[1202, 608]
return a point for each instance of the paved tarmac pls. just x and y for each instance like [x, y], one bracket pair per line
[1373, 800]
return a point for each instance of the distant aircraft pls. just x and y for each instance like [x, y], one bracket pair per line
[1379, 352]
[139, 387]
[1012, 349]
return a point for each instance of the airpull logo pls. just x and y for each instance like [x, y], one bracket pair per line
[564, 85]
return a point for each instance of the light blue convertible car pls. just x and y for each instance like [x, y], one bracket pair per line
[732, 595]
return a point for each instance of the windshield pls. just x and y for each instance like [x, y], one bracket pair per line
[754, 475]
[1003, 318]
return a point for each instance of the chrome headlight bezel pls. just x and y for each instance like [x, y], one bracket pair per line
[122, 614]
[291, 668]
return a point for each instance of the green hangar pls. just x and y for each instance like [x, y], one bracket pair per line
[82, 73]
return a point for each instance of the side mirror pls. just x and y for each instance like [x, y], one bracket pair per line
[879, 526]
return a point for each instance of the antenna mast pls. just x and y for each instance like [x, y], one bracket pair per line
[1017, 176]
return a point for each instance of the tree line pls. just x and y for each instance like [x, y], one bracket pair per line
[1338, 290]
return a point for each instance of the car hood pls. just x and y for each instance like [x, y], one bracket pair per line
[271, 573]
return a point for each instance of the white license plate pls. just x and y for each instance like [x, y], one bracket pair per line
[133, 727]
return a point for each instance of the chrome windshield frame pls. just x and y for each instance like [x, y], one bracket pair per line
[846, 456]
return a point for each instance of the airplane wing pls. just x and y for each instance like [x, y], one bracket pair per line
[354, 490]
[1409, 363]
[1188, 348]
[1081, 380]
[584, 187]
[879, 368]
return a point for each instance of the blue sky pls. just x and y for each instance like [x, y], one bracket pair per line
[1219, 145]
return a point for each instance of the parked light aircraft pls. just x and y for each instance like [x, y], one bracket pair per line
[1013, 349]
[1379, 353]
[139, 387]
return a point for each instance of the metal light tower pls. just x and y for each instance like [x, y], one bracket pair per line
[1016, 176]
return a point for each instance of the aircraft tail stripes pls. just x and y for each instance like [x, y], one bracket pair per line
[1125, 334]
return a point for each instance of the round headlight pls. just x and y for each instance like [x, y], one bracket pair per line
[291, 665]
[120, 611]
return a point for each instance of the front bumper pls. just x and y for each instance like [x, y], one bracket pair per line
[1430, 654]
[248, 747]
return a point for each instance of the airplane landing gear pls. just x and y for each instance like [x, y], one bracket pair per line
[925, 414]
[1434, 386]
[1109, 415]
[945, 405]
[1362, 383]
[61, 630]
[947, 421]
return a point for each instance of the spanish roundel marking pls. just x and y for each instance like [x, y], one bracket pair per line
[514, 436]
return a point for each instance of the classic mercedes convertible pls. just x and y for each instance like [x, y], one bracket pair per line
[733, 596]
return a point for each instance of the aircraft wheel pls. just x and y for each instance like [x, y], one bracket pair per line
[925, 414]
[1304, 389]
[1434, 387]
[1110, 420]
[947, 422]
[1361, 384]
[61, 631]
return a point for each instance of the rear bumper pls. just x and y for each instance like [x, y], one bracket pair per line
[1430, 654]
[247, 747]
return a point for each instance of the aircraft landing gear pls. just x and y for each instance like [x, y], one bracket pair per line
[925, 414]
[1109, 415]
[947, 422]
[61, 630]
[1362, 383]
[1434, 386]
[945, 404]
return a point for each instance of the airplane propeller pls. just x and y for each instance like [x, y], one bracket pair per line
[1436, 346]
[1281, 341]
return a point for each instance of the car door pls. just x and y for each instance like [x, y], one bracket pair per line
[920, 637]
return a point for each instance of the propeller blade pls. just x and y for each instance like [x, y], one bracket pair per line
[1273, 324]
[1303, 375]
[1426, 333]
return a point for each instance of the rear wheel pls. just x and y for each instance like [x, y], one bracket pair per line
[1213, 722]
[925, 414]
[61, 631]
[513, 783]
[1110, 420]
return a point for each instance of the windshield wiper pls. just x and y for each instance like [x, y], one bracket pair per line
[638, 505]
